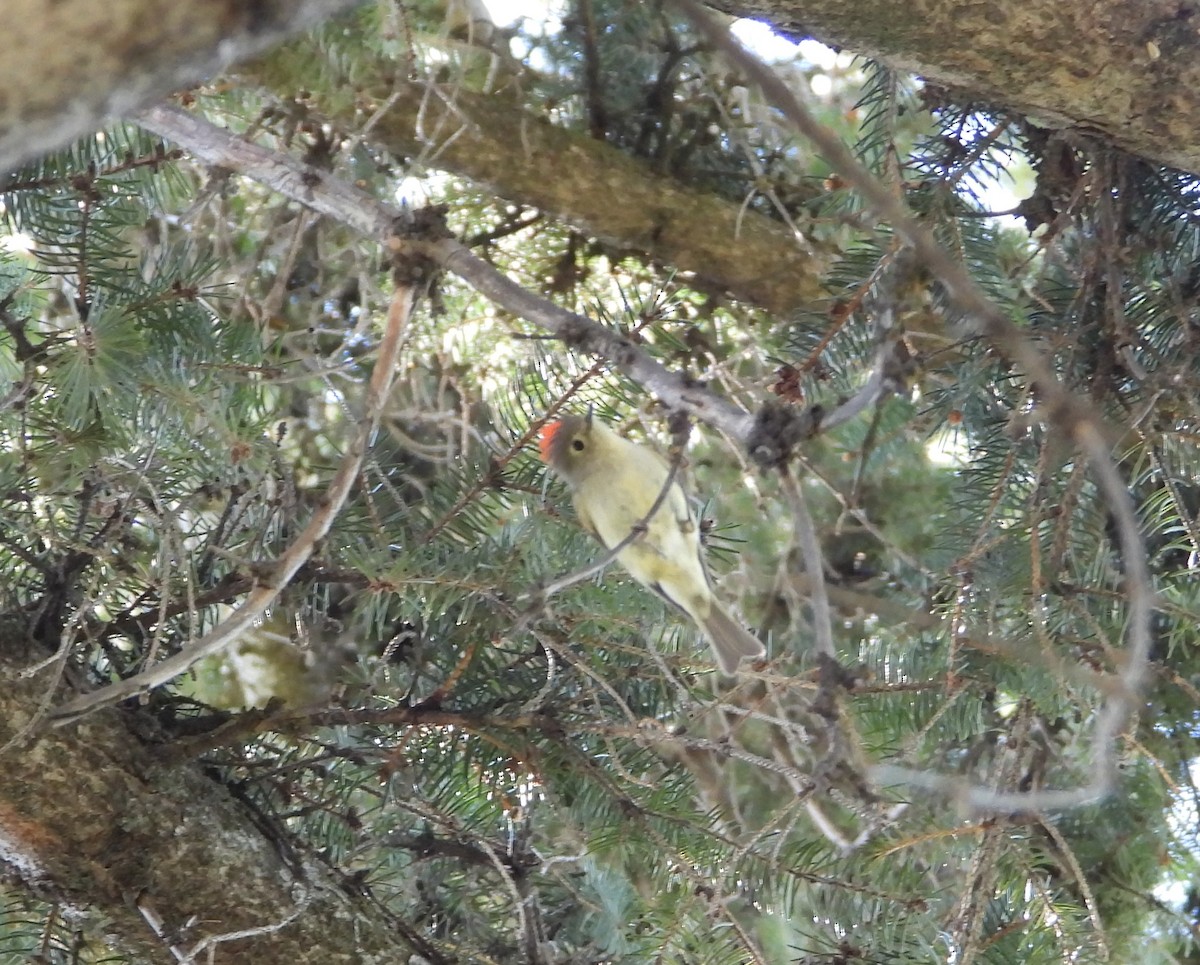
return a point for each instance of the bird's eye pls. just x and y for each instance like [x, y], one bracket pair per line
[578, 445]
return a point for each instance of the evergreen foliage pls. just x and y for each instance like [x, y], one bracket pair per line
[182, 361]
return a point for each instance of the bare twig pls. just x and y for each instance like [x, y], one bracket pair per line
[207, 944]
[577, 331]
[1071, 860]
[814, 563]
[305, 183]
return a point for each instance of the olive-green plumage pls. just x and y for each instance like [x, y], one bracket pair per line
[614, 484]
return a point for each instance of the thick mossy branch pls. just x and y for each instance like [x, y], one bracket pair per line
[1126, 71]
[494, 142]
[69, 66]
[99, 819]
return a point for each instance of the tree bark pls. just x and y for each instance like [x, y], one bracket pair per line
[1125, 70]
[491, 140]
[70, 65]
[102, 822]
[1122, 68]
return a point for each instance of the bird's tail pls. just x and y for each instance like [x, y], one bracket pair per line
[729, 639]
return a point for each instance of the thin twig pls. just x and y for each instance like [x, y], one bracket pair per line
[241, 934]
[814, 562]
[1070, 859]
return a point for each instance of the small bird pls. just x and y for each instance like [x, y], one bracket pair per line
[614, 484]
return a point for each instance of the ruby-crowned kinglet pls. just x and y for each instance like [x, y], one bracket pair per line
[614, 484]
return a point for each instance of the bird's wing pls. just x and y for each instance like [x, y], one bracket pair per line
[585, 520]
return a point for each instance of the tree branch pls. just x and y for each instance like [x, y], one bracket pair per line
[70, 65]
[95, 819]
[355, 208]
[1060, 409]
[1125, 71]
[492, 141]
